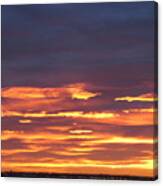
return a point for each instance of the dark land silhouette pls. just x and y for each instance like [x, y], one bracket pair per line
[76, 176]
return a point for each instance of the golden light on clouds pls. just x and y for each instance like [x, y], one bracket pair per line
[140, 110]
[149, 97]
[25, 121]
[125, 117]
[75, 91]
[60, 129]
[78, 91]
[80, 131]
[73, 114]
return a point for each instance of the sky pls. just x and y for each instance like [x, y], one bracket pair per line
[78, 90]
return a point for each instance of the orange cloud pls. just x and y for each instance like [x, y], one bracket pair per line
[124, 117]
[149, 97]
[79, 140]
[93, 141]
[73, 114]
[84, 166]
[75, 91]
[78, 91]
[80, 131]
[95, 137]
[120, 139]
[25, 121]
[140, 110]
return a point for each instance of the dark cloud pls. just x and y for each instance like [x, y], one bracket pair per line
[57, 43]
[12, 144]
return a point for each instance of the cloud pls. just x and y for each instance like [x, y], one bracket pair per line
[148, 97]
[124, 117]
[25, 121]
[74, 91]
